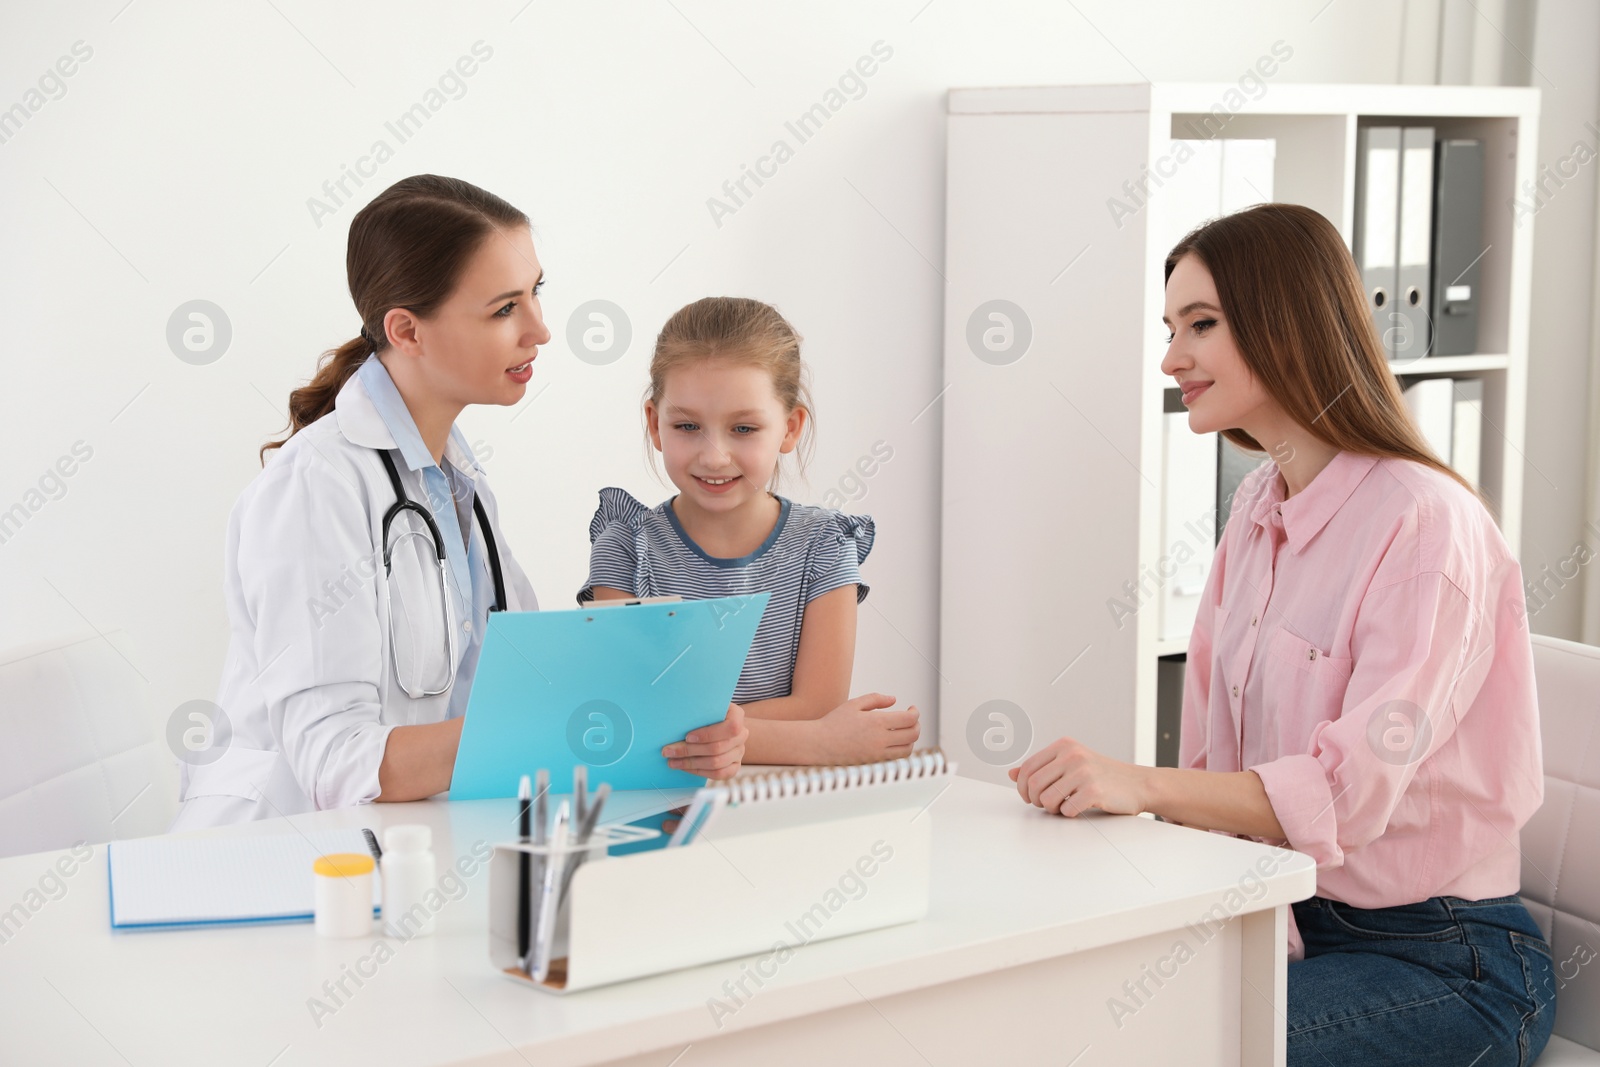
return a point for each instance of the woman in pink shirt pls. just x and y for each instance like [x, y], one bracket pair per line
[1360, 681]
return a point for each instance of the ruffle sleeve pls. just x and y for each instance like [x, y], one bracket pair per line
[840, 544]
[615, 544]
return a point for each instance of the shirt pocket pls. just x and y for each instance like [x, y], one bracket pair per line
[1303, 687]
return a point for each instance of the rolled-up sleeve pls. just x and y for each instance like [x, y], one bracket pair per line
[308, 572]
[1420, 653]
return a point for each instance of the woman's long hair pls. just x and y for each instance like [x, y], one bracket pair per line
[407, 249]
[1296, 310]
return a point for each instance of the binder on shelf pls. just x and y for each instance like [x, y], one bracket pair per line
[1431, 402]
[786, 858]
[1457, 246]
[1377, 223]
[1220, 176]
[1409, 326]
[1466, 432]
[1449, 412]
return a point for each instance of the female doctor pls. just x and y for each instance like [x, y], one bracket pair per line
[363, 561]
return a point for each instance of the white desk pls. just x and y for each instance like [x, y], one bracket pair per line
[1036, 924]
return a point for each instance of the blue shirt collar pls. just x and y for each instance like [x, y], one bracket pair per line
[390, 407]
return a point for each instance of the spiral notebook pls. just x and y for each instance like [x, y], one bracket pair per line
[795, 796]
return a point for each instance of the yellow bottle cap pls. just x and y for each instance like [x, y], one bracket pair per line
[343, 865]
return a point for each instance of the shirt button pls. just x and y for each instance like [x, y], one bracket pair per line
[466, 627]
[1312, 654]
[1235, 690]
[1254, 619]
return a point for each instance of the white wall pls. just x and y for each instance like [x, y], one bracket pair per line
[1562, 470]
[179, 162]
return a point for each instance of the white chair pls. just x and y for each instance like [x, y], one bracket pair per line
[1561, 844]
[78, 761]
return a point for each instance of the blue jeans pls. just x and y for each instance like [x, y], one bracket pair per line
[1445, 981]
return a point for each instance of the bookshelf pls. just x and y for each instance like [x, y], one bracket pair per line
[1052, 471]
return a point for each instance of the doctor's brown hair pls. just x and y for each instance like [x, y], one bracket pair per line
[408, 248]
[1298, 315]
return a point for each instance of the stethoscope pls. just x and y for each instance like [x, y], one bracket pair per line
[405, 503]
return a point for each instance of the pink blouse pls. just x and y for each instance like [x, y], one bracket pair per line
[1363, 647]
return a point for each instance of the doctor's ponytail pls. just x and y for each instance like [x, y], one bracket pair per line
[408, 248]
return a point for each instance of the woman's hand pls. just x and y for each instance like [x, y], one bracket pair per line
[715, 751]
[1067, 778]
[857, 732]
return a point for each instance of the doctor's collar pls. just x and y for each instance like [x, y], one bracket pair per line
[373, 414]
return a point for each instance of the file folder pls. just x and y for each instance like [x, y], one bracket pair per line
[1431, 402]
[1466, 430]
[1449, 412]
[1377, 223]
[176, 881]
[1457, 246]
[1409, 320]
[602, 686]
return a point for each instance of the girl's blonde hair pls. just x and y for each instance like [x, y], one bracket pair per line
[744, 331]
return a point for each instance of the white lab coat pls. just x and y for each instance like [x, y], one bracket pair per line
[308, 688]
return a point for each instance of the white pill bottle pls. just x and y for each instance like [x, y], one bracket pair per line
[408, 874]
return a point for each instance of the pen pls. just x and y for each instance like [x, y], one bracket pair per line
[541, 810]
[585, 831]
[543, 938]
[580, 793]
[524, 874]
[590, 818]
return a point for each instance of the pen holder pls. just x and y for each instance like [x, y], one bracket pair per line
[504, 911]
[772, 891]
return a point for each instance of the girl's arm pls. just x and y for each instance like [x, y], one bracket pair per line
[822, 664]
[857, 731]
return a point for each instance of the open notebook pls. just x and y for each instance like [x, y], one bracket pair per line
[203, 881]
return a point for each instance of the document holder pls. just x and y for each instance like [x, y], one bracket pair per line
[784, 863]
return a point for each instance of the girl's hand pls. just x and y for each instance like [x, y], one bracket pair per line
[1067, 778]
[674, 817]
[857, 732]
[715, 751]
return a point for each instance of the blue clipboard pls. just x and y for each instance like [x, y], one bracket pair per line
[602, 686]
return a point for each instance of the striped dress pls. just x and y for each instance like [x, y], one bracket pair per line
[811, 551]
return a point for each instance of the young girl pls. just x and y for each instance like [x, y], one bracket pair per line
[727, 398]
[1360, 679]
